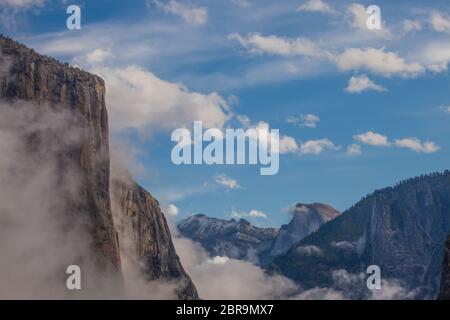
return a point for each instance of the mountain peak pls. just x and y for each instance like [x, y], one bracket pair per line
[327, 212]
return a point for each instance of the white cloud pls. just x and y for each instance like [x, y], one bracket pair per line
[191, 15]
[309, 250]
[320, 294]
[252, 214]
[411, 25]
[21, 3]
[257, 43]
[373, 139]
[257, 214]
[446, 109]
[378, 61]
[440, 22]
[171, 210]
[305, 120]
[225, 279]
[137, 99]
[436, 56]
[359, 21]
[417, 145]
[315, 6]
[359, 15]
[378, 140]
[354, 150]
[316, 146]
[343, 245]
[362, 83]
[348, 286]
[226, 181]
[244, 120]
[287, 145]
[96, 57]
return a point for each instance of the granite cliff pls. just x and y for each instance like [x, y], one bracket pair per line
[402, 229]
[36, 85]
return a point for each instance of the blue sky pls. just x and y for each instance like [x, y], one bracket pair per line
[360, 109]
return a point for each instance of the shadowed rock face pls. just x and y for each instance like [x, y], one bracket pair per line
[402, 229]
[444, 293]
[42, 83]
[27, 76]
[307, 218]
[145, 236]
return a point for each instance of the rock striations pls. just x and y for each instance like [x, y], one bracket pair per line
[29, 78]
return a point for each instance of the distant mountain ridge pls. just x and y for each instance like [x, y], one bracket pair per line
[241, 240]
[402, 229]
[234, 239]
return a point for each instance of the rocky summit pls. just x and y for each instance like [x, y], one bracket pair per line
[241, 240]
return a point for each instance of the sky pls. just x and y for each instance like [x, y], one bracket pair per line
[357, 109]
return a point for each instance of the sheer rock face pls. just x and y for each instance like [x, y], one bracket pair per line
[145, 236]
[307, 218]
[35, 81]
[27, 76]
[444, 293]
[401, 229]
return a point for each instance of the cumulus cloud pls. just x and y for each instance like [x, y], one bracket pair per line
[411, 25]
[309, 250]
[274, 45]
[225, 181]
[344, 245]
[440, 22]
[195, 16]
[359, 15]
[229, 279]
[95, 57]
[373, 139]
[436, 56]
[288, 145]
[316, 147]
[377, 61]
[417, 145]
[171, 210]
[446, 109]
[315, 6]
[257, 214]
[378, 140]
[354, 150]
[305, 120]
[320, 294]
[362, 83]
[252, 214]
[359, 21]
[10, 9]
[138, 99]
[22, 3]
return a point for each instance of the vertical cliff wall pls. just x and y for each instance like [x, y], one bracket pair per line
[146, 243]
[64, 122]
[39, 81]
[444, 293]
